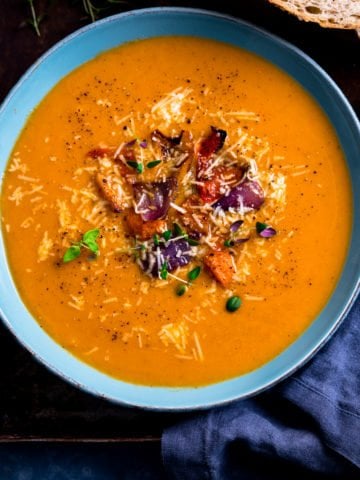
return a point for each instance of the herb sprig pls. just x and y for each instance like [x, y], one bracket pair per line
[89, 241]
[136, 165]
[34, 19]
[95, 11]
[92, 9]
[164, 271]
[179, 232]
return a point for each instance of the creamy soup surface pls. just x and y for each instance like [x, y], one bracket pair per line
[176, 212]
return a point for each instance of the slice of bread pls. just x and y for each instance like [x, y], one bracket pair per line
[328, 13]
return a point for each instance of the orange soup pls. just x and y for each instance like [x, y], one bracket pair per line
[176, 212]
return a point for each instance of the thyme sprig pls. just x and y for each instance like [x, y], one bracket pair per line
[34, 19]
[93, 10]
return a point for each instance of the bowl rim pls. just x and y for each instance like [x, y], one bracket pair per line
[143, 390]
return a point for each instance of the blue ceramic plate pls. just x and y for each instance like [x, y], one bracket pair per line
[83, 46]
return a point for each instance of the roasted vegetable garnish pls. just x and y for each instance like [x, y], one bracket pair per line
[204, 195]
[166, 143]
[264, 230]
[174, 253]
[176, 149]
[248, 195]
[206, 150]
[152, 200]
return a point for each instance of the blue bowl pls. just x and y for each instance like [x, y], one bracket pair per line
[83, 46]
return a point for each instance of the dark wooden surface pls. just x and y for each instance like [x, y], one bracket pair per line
[34, 403]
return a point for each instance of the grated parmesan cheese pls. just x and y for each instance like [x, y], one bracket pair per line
[45, 247]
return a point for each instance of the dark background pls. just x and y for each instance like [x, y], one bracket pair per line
[34, 403]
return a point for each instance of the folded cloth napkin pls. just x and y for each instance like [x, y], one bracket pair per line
[308, 426]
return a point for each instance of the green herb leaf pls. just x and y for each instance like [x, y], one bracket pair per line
[229, 243]
[156, 239]
[132, 164]
[194, 273]
[260, 226]
[35, 19]
[93, 247]
[164, 271]
[153, 164]
[178, 231]
[192, 242]
[72, 253]
[180, 290]
[137, 166]
[89, 240]
[91, 236]
[167, 235]
[233, 303]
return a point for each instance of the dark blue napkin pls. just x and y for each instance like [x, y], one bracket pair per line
[306, 427]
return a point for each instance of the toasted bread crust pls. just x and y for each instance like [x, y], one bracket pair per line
[220, 264]
[111, 191]
[327, 13]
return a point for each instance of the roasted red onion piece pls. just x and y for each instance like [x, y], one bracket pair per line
[166, 143]
[176, 253]
[234, 227]
[268, 232]
[207, 149]
[153, 199]
[248, 194]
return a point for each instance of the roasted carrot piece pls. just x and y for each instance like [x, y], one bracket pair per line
[220, 264]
